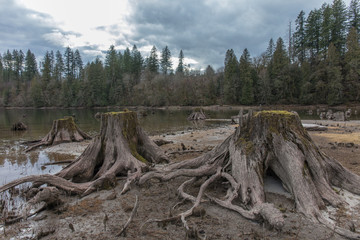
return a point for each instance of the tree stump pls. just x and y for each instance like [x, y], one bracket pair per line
[269, 140]
[121, 148]
[19, 126]
[197, 114]
[63, 130]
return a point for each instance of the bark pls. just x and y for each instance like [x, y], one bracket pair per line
[63, 130]
[273, 140]
[121, 149]
[197, 115]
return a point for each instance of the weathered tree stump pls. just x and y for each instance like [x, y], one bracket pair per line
[269, 140]
[19, 126]
[121, 148]
[197, 114]
[62, 130]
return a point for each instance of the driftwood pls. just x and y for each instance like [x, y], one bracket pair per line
[267, 141]
[122, 148]
[63, 130]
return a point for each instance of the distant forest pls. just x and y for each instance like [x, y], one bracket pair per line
[320, 64]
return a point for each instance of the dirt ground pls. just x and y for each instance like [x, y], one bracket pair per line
[101, 215]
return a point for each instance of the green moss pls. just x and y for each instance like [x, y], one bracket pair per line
[246, 144]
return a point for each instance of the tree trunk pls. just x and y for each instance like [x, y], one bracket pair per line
[63, 130]
[198, 114]
[268, 140]
[121, 148]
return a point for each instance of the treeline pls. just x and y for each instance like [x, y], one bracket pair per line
[319, 64]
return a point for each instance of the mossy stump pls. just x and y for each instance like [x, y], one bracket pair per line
[121, 149]
[267, 140]
[62, 130]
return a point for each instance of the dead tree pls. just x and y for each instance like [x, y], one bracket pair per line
[121, 148]
[268, 141]
[62, 130]
[198, 114]
[19, 126]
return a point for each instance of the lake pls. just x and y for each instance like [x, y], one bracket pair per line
[15, 163]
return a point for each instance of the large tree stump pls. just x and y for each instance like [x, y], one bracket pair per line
[269, 140]
[62, 130]
[121, 148]
[197, 114]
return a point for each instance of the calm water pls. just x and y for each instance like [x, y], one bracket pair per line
[14, 163]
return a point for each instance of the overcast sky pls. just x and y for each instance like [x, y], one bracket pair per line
[203, 29]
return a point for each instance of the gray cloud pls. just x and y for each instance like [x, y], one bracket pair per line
[203, 29]
[206, 29]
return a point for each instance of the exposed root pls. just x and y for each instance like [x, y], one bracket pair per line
[63, 130]
[267, 140]
[122, 231]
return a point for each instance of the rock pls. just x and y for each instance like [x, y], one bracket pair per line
[161, 142]
[349, 145]
[338, 116]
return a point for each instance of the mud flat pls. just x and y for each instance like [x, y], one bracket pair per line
[101, 215]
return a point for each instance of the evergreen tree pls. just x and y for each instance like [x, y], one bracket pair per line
[299, 37]
[354, 15]
[153, 61]
[8, 66]
[180, 67]
[30, 70]
[279, 77]
[333, 72]
[78, 64]
[352, 67]
[231, 78]
[59, 66]
[312, 31]
[165, 61]
[338, 29]
[247, 90]
[325, 32]
[126, 61]
[136, 64]
[1, 69]
[69, 64]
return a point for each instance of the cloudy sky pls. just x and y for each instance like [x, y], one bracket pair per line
[203, 29]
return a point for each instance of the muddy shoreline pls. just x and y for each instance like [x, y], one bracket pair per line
[86, 215]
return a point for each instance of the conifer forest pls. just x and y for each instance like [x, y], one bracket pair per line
[318, 63]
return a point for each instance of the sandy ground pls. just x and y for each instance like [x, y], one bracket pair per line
[84, 218]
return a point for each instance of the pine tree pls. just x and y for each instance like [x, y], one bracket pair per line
[299, 37]
[69, 64]
[312, 31]
[279, 76]
[59, 66]
[165, 62]
[136, 64]
[30, 70]
[333, 72]
[153, 61]
[325, 32]
[78, 64]
[338, 29]
[180, 67]
[231, 78]
[352, 66]
[354, 15]
[247, 89]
